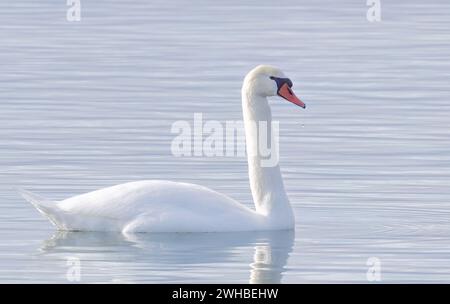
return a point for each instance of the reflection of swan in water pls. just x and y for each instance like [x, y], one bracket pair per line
[173, 257]
[269, 259]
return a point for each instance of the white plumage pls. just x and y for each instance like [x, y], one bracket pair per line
[165, 206]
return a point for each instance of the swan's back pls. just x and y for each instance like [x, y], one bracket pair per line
[152, 206]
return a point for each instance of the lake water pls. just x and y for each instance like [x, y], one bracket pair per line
[90, 104]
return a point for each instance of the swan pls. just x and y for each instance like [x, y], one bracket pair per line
[166, 206]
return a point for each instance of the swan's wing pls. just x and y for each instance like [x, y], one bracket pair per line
[129, 200]
[148, 206]
[67, 220]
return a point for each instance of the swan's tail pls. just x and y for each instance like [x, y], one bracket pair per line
[46, 207]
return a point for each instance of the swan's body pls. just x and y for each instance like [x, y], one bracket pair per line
[153, 205]
[165, 206]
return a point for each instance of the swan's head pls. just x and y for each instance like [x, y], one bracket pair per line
[265, 80]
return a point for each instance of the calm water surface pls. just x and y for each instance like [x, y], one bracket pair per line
[90, 104]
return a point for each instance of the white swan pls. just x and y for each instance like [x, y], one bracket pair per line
[165, 206]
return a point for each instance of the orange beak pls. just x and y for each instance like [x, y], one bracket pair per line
[286, 92]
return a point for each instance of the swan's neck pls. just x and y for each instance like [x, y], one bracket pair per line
[266, 182]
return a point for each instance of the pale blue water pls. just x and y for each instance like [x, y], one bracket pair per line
[90, 104]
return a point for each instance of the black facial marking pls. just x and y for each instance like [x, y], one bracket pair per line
[281, 81]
